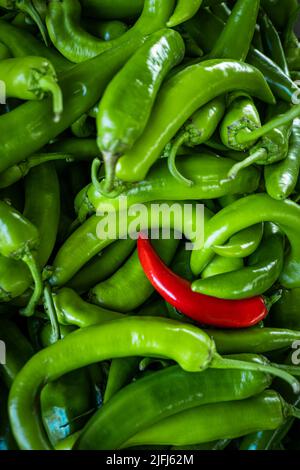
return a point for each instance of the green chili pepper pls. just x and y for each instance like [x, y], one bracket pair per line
[104, 265]
[219, 266]
[197, 130]
[281, 178]
[272, 43]
[18, 350]
[119, 292]
[192, 390]
[208, 172]
[22, 44]
[285, 312]
[242, 115]
[263, 269]
[82, 87]
[230, 419]
[63, 24]
[31, 78]
[178, 99]
[19, 240]
[72, 310]
[84, 127]
[242, 244]
[121, 372]
[241, 21]
[108, 10]
[106, 30]
[42, 207]
[184, 10]
[128, 100]
[253, 340]
[244, 213]
[189, 346]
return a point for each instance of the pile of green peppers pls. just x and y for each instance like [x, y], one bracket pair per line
[170, 101]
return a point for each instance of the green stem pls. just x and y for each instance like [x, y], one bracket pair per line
[219, 362]
[110, 161]
[96, 165]
[244, 137]
[40, 158]
[32, 264]
[104, 187]
[181, 139]
[237, 167]
[27, 7]
[48, 84]
[51, 311]
[293, 370]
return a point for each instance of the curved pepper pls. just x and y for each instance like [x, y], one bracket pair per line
[265, 411]
[196, 131]
[63, 24]
[119, 291]
[244, 213]
[256, 278]
[178, 99]
[129, 98]
[106, 431]
[104, 265]
[201, 308]
[281, 178]
[145, 336]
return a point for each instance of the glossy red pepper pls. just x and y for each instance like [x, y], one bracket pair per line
[201, 308]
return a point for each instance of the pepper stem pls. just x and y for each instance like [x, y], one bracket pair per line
[237, 167]
[183, 137]
[51, 311]
[110, 161]
[219, 362]
[104, 187]
[96, 165]
[48, 84]
[27, 7]
[244, 137]
[32, 264]
[293, 370]
[40, 158]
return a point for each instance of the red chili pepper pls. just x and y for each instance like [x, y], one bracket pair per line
[202, 308]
